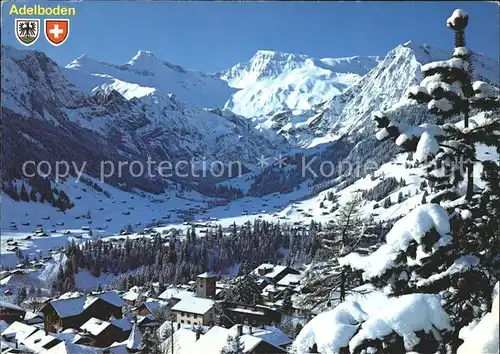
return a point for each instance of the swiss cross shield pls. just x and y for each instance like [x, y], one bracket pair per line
[56, 31]
[27, 30]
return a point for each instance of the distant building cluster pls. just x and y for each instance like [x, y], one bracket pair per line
[196, 317]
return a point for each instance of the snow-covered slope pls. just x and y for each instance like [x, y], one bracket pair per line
[273, 81]
[145, 73]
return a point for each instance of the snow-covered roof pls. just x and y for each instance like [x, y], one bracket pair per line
[71, 348]
[175, 293]
[272, 271]
[19, 331]
[195, 305]
[130, 296]
[182, 338]
[270, 334]
[134, 341]
[215, 340]
[244, 310]
[31, 315]
[166, 326]
[207, 275]
[72, 304]
[10, 306]
[95, 326]
[211, 342]
[111, 297]
[290, 279]
[271, 288]
[123, 323]
[38, 340]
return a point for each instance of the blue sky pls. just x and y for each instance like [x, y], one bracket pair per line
[211, 36]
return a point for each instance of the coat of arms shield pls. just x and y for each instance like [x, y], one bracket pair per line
[27, 30]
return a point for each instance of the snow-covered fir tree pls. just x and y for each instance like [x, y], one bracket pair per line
[234, 345]
[440, 262]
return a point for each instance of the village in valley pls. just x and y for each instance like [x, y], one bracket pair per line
[195, 317]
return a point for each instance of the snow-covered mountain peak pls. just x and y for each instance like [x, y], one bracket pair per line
[423, 53]
[274, 81]
[146, 73]
[147, 60]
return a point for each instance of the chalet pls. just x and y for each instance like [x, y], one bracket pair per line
[194, 310]
[103, 332]
[132, 297]
[10, 312]
[72, 310]
[215, 340]
[271, 334]
[272, 293]
[290, 281]
[149, 307]
[273, 272]
[254, 315]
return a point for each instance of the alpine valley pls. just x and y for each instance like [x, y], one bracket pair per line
[278, 114]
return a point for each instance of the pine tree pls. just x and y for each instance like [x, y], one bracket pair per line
[325, 280]
[234, 345]
[463, 235]
[245, 291]
[21, 295]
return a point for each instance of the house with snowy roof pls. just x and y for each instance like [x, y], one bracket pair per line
[17, 332]
[10, 312]
[291, 281]
[215, 340]
[182, 338]
[102, 332]
[194, 310]
[72, 310]
[272, 292]
[274, 273]
[270, 334]
[72, 348]
[150, 307]
[133, 296]
[39, 341]
[255, 315]
[174, 294]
